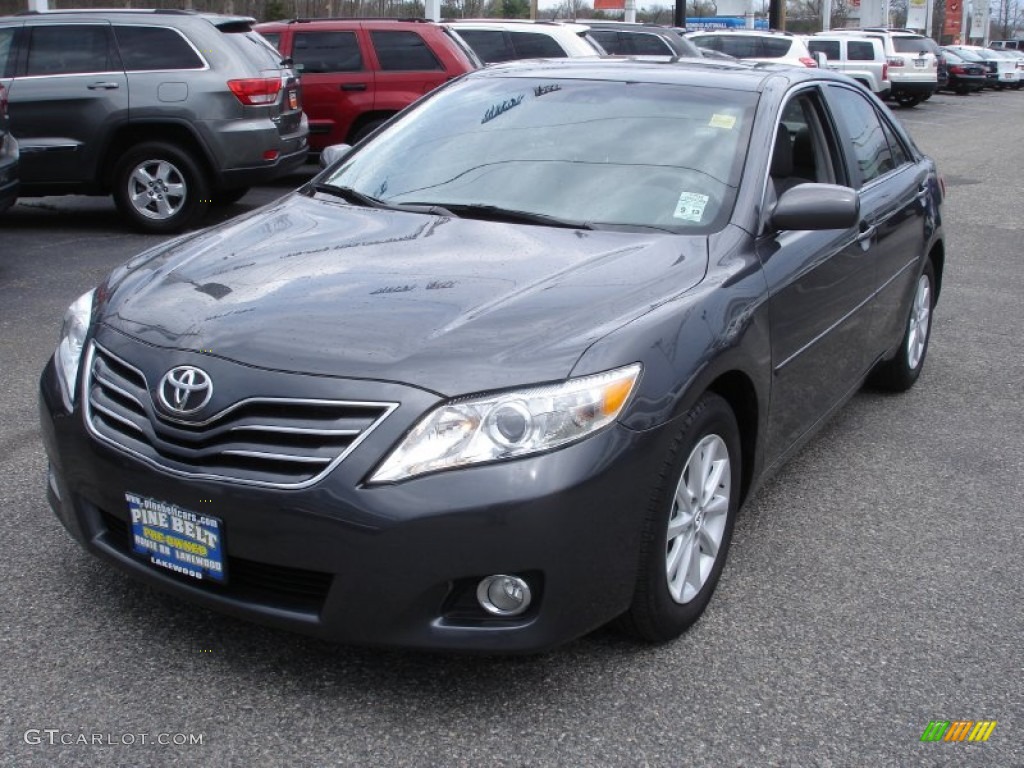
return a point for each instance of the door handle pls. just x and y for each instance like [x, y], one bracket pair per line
[353, 87]
[922, 192]
[867, 231]
[103, 86]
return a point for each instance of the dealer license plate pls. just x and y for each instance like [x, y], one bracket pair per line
[177, 539]
[920, 62]
[293, 100]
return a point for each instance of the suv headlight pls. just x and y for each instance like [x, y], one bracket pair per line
[509, 424]
[69, 348]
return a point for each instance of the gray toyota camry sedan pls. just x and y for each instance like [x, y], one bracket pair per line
[508, 369]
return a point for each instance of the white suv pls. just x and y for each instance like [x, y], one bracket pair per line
[862, 58]
[913, 67]
[756, 45]
[495, 41]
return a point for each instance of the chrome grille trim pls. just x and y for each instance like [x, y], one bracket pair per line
[119, 411]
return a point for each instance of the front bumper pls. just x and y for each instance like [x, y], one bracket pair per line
[387, 565]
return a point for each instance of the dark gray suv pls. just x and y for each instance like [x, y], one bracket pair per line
[169, 111]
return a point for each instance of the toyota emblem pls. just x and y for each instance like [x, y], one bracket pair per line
[185, 389]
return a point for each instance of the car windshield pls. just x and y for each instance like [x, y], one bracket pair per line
[618, 155]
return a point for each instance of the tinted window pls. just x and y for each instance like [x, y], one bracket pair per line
[708, 41]
[490, 45]
[252, 46]
[870, 147]
[775, 47]
[327, 52]
[899, 153]
[154, 48]
[609, 40]
[857, 50]
[910, 44]
[829, 47]
[530, 45]
[648, 45]
[6, 42]
[70, 49]
[274, 38]
[403, 51]
[741, 47]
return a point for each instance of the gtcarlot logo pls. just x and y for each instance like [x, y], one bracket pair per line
[56, 737]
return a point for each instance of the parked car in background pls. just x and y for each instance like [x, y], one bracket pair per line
[622, 39]
[169, 111]
[358, 73]
[495, 41]
[861, 58]
[8, 152]
[1005, 45]
[509, 370]
[1016, 79]
[913, 66]
[756, 45]
[989, 65]
[1002, 69]
[964, 76]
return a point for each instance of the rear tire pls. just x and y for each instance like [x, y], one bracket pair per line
[900, 373]
[160, 188]
[689, 524]
[367, 129]
[908, 100]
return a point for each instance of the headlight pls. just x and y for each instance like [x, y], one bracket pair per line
[511, 424]
[72, 339]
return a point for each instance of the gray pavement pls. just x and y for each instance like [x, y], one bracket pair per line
[874, 585]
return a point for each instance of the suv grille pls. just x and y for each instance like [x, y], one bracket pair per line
[279, 442]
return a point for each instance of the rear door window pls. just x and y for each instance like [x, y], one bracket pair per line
[70, 49]
[646, 44]
[402, 51]
[775, 47]
[318, 52]
[530, 45]
[490, 45]
[6, 49]
[858, 50]
[742, 47]
[829, 47]
[609, 40]
[155, 49]
[253, 47]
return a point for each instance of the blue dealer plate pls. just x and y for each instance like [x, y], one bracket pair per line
[177, 539]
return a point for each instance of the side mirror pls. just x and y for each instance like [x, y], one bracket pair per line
[817, 206]
[332, 154]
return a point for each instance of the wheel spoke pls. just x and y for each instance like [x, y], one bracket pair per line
[678, 525]
[176, 190]
[163, 205]
[141, 199]
[164, 171]
[141, 177]
[694, 579]
[708, 542]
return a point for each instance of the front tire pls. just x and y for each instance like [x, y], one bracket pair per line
[159, 188]
[908, 100]
[689, 524]
[900, 373]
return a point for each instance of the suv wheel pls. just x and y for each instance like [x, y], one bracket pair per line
[908, 99]
[159, 187]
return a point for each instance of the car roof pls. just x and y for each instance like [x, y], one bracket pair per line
[217, 19]
[666, 70]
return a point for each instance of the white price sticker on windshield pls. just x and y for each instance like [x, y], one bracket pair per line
[691, 206]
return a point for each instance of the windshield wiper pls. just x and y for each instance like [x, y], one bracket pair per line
[355, 197]
[496, 213]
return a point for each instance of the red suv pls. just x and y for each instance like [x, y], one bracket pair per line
[358, 73]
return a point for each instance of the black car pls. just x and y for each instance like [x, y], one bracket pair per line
[8, 157]
[964, 76]
[508, 370]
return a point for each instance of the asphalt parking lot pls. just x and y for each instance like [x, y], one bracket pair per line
[873, 586]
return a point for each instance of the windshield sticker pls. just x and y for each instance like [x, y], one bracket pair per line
[691, 206]
[722, 121]
[501, 108]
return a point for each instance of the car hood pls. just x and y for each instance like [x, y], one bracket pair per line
[446, 304]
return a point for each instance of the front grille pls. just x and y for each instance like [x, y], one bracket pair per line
[279, 442]
[248, 580]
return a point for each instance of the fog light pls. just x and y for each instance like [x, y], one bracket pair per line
[503, 595]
